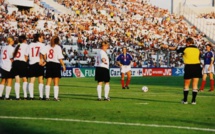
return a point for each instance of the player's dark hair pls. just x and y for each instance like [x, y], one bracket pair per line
[55, 40]
[36, 37]
[22, 38]
[190, 40]
[104, 43]
[209, 45]
[124, 48]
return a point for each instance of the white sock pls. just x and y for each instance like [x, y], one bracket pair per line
[47, 89]
[99, 91]
[31, 90]
[1, 90]
[107, 89]
[41, 90]
[24, 87]
[7, 94]
[17, 89]
[56, 91]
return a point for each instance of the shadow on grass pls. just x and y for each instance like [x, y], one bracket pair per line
[94, 97]
[11, 127]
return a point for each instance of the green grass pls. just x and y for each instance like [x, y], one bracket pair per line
[160, 106]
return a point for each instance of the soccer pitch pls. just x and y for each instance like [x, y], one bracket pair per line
[157, 111]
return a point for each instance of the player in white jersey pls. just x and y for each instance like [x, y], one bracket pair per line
[5, 70]
[102, 73]
[20, 67]
[54, 59]
[36, 69]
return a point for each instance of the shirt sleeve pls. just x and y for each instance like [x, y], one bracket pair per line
[118, 58]
[180, 50]
[11, 52]
[60, 54]
[43, 50]
[27, 50]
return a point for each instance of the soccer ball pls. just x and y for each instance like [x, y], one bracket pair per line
[145, 89]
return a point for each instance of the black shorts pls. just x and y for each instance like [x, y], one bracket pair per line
[53, 70]
[192, 71]
[20, 68]
[36, 70]
[5, 74]
[102, 74]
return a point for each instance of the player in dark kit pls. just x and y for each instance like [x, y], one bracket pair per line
[124, 60]
[208, 68]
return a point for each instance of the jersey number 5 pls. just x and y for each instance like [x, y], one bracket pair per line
[5, 54]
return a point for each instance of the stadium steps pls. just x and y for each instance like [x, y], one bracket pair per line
[50, 4]
[37, 8]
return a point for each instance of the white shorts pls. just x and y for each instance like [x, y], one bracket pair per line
[205, 69]
[125, 68]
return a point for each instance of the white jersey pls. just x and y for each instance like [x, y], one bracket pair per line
[6, 55]
[53, 54]
[21, 52]
[102, 54]
[33, 52]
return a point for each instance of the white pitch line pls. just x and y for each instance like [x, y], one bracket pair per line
[107, 122]
[143, 103]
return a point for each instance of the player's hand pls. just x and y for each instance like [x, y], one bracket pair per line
[209, 69]
[104, 61]
[64, 68]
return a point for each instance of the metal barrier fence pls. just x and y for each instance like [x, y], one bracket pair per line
[204, 25]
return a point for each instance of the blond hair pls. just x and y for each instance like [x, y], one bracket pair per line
[10, 40]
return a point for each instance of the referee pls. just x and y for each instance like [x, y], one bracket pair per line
[192, 69]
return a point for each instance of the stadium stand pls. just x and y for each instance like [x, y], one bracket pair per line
[83, 24]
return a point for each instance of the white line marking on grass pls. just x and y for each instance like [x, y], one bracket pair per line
[143, 103]
[107, 122]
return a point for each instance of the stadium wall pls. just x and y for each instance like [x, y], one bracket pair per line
[24, 3]
[173, 6]
[115, 72]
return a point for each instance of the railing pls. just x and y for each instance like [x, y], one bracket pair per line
[202, 24]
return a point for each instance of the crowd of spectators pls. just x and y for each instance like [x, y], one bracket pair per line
[132, 23]
[210, 15]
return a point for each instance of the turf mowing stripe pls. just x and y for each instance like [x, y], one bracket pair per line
[107, 122]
